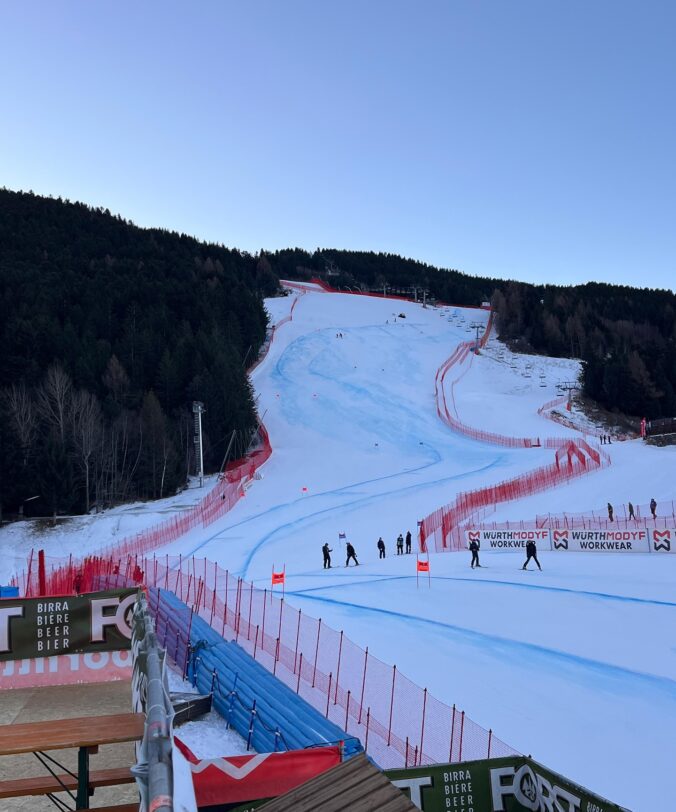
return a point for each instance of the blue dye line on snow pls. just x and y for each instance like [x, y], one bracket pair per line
[582, 669]
[492, 582]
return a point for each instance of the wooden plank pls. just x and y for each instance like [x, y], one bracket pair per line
[121, 808]
[57, 734]
[43, 784]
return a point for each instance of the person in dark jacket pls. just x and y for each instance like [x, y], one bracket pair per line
[474, 547]
[408, 541]
[531, 552]
[400, 544]
[351, 555]
[326, 551]
[631, 511]
[381, 548]
[653, 508]
[610, 512]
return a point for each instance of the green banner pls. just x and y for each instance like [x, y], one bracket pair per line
[499, 785]
[45, 627]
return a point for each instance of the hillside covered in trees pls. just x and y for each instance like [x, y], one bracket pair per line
[108, 332]
[625, 336]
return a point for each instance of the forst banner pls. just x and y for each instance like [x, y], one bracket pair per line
[640, 540]
[498, 785]
[44, 627]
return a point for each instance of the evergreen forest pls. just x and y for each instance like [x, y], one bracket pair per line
[626, 337]
[108, 333]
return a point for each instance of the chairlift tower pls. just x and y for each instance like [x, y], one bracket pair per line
[476, 325]
[198, 410]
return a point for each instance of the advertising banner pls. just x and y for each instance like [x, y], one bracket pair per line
[600, 541]
[44, 627]
[255, 777]
[498, 785]
[639, 540]
[508, 539]
[66, 669]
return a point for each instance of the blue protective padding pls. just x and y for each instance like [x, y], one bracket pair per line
[9, 591]
[283, 720]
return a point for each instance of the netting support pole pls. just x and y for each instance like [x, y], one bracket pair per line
[295, 656]
[255, 643]
[368, 718]
[314, 672]
[340, 651]
[450, 751]
[328, 696]
[389, 727]
[462, 728]
[490, 736]
[347, 709]
[363, 684]
[300, 668]
[265, 600]
[422, 729]
[248, 628]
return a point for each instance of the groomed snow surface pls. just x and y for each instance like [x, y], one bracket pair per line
[574, 665]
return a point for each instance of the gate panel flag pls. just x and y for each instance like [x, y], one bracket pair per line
[261, 775]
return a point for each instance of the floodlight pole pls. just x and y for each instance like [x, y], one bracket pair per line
[198, 409]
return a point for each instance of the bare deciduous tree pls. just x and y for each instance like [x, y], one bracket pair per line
[86, 425]
[23, 415]
[54, 399]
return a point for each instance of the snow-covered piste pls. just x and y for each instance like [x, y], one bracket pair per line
[575, 665]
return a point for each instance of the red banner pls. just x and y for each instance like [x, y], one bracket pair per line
[423, 566]
[261, 775]
[277, 577]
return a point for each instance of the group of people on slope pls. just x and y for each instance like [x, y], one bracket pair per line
[630, 510]
[531, 552]
[352, 556]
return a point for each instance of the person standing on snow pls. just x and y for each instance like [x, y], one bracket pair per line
[351, 555]
[610, 512]
[408, 541]
[400, 544]
[381, 548]
[653, 508]
[474, 547]
[326, 550]
[631, 511]
[531, 552]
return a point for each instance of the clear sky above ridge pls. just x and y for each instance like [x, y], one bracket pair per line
[525, 139]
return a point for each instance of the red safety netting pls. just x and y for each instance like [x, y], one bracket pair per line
[443, 526]
[399, 723]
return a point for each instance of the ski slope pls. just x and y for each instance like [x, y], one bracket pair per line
[575, 665]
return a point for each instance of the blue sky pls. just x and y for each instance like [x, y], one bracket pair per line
[532, 140]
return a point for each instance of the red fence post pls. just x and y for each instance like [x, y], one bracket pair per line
[248, 629]
[42, 580]
[389, 727]
[340, 649]
[314, 673]
[328, 696]
[422, 729]
[363, 683]
[295, 656]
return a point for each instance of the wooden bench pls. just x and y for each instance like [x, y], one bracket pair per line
[120, 808]
[86, 733]
[46, 785]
